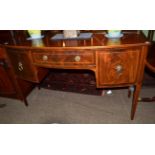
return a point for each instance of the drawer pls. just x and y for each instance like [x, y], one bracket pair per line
[59, 58]
[118, 67]
[21, 61]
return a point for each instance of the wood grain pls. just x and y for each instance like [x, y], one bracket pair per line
[115, 63]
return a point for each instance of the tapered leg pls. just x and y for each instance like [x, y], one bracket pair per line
[38, 86]
[129, 93]
[135, 100]
[25, 102]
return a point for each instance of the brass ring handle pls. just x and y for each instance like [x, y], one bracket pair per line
[77, 58]
[119, 68]
[20, 66]
[45, 57]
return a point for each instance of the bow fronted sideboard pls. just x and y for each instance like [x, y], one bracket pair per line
[115, 62]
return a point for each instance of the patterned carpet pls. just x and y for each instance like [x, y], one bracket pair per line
[84, 82]
[79, 81]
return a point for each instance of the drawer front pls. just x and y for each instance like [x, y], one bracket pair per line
[21, 61]
[64, 57]
[116, 68]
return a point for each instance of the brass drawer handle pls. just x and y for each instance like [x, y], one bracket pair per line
[119, 68]
[45, 57]
[77, 58]
[20, 66]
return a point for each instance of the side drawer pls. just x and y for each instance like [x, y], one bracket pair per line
[21, 61]
[118, 67]
[56, 57]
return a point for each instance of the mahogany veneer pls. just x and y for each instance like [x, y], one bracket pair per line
[10, 85]
[116, 63]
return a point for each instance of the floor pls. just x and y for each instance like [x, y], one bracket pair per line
[51, 106]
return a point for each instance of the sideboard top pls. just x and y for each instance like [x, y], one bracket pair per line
[97, 40]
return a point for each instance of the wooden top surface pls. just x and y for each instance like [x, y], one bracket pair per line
[98, 40]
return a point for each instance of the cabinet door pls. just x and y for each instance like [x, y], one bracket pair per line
[118, 67]
[22, 63]
[6, 85]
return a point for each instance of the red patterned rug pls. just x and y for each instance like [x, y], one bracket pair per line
[79, 81]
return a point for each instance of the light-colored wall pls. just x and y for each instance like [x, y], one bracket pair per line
[146, 33]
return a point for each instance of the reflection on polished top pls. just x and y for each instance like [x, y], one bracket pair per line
[97, 40]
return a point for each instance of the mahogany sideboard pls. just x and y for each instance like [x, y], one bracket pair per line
[10, 85]
[115, 62]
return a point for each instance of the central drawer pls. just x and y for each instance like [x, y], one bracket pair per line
[69, 57]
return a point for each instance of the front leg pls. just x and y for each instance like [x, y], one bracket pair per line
[135, 100]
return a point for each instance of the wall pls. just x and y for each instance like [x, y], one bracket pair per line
[146, 33]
